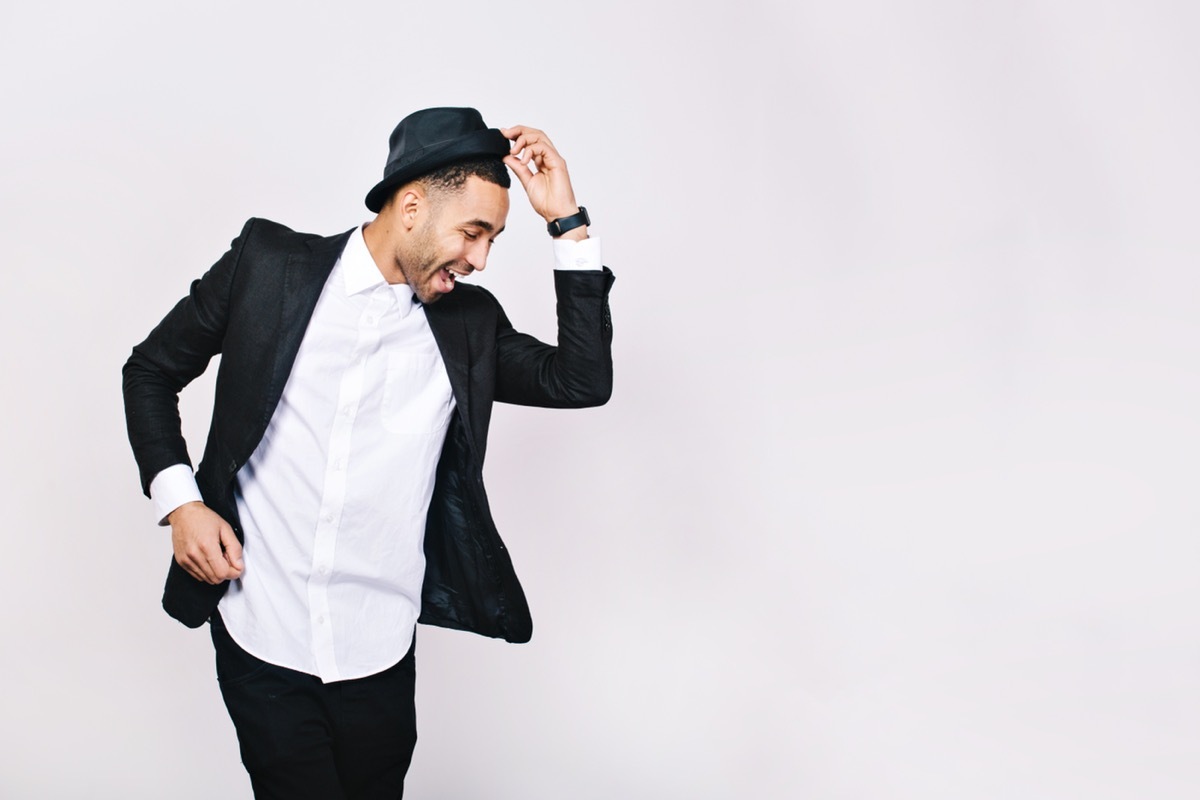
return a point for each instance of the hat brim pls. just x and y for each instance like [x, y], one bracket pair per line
[477, 144]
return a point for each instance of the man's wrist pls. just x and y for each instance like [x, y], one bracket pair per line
[171, 516]
[575, 234]
[565, 211]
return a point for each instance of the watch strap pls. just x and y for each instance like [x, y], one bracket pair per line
[561, 225]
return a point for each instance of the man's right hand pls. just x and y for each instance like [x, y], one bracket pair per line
[204, 544]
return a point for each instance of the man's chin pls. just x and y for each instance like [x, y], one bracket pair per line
[432, 292]
[439, 284]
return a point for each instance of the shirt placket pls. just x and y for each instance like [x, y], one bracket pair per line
[333, 493]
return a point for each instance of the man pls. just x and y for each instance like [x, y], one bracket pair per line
[340, 498]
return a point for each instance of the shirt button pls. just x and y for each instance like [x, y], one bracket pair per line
[328, 517]
[370, 320]
[323, 570]
[320, 620]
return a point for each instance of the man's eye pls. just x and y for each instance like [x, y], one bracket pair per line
[470, 236]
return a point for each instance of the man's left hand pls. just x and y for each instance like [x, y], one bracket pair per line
[549, 188]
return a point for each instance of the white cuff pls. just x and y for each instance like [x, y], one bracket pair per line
[171, 488]
[570, 254]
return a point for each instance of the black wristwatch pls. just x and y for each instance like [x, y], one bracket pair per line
[563, 224]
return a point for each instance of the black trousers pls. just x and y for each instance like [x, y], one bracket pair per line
[301, 738]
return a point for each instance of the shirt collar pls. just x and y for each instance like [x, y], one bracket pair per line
[362, 275]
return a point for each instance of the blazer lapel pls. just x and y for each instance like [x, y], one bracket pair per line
[303, 279]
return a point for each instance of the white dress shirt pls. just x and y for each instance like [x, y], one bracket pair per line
[333, 500]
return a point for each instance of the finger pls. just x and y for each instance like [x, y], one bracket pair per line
[537, 140]
[534, 134]
[211, 559]
[523, 173]
[519, 144]
[217, 568]
[519, 130]
[529, 137]
[536, 144]
[549, 157]
[543, 157]
[233, 550]
[192, 555]
[198, 566]
[218, 556]
[519, 139]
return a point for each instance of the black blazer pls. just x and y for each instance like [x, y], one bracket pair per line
[253, 307]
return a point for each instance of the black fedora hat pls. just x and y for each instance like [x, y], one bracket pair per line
[431, 138]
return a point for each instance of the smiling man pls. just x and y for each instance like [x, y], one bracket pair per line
[340, 499]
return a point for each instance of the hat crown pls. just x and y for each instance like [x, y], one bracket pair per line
[430, 126]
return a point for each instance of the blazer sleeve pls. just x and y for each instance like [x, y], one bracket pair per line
[175, 353]
[578, 372]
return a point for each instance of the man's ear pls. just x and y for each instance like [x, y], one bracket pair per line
[411, 200]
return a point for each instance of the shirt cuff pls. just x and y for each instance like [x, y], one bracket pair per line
[171, 488]
[572, 255]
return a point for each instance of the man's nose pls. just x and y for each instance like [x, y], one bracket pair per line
[477, 256]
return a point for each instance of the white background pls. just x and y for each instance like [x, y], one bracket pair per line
[895, 498]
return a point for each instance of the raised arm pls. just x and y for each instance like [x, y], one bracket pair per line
[578, 372]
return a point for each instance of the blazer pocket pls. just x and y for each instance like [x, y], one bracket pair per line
[416, 394]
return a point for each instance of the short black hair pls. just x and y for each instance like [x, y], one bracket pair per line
[453, 177]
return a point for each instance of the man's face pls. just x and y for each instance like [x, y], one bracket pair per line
[452, 237]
